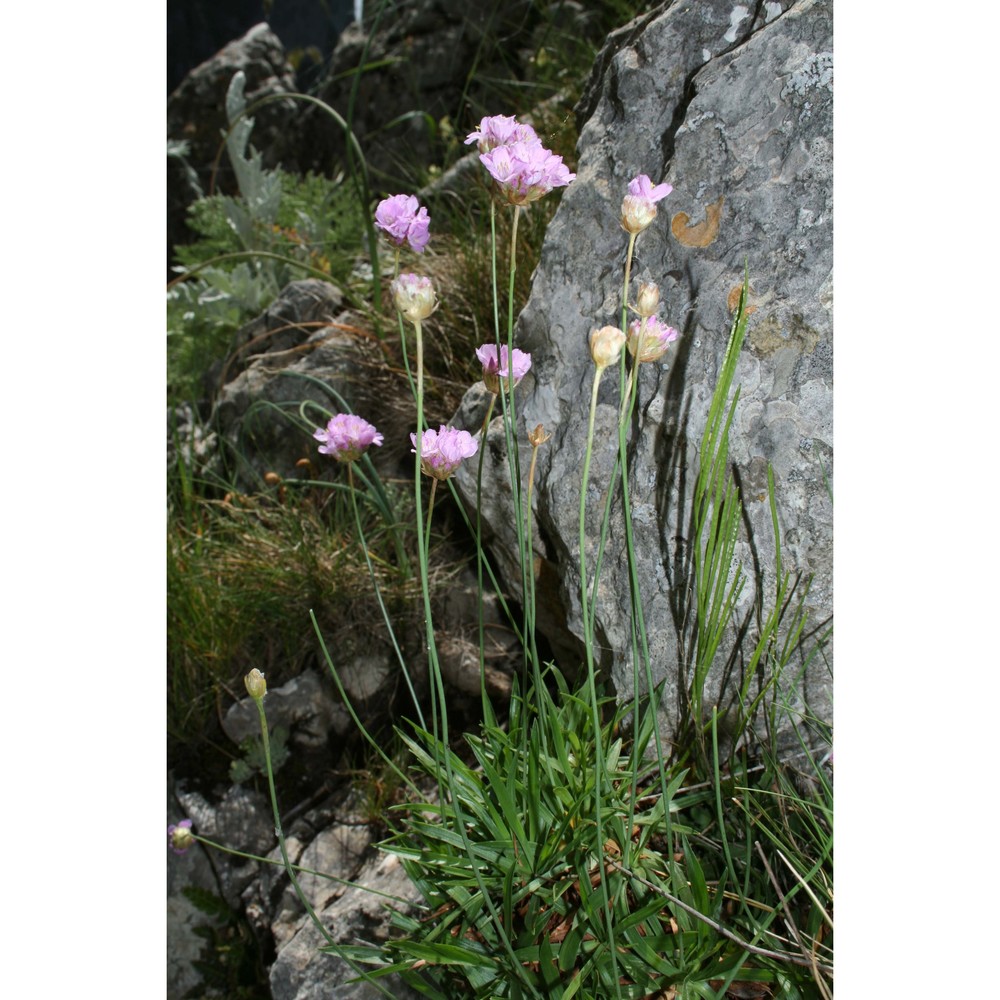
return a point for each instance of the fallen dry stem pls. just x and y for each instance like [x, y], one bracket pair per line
[807, 962]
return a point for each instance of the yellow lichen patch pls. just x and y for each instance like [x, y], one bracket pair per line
[769, 336]
[701, 234]
[734, 299]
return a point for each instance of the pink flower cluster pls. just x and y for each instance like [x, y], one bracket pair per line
[493, 372]
[442, 451]
[404, 220]
[347, 437]
[639, 205]
[516, 159]
[500, 130]
[649, 338]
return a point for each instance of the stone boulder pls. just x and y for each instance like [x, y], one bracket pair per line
[431, 57]
[196, 116]
[735, 110]
[305, 348]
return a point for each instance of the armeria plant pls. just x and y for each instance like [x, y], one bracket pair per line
[569, 858]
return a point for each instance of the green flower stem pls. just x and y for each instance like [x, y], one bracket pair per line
[434, 671]
[289, 867]
[638, 625]
[510, 282]
[487, 714]
[437, 681]
[375, 745]
[508, 407]
[591, 683]
[406, 365]
[493, 272]
[631, 391]
[378, 596]
[628, 276]
[303, 871]
[535, 445]
[588, 638]
[430, 509]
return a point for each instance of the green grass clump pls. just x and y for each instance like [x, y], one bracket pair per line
[510, 867]
[242, 574]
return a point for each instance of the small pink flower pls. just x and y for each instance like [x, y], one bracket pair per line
[404, 220]
[500, 130]
[347, 437]
[649, 338]
[639, 205]
[493, 372]
[442, 451]
[526, 170]
[643, 187]
[179, 838]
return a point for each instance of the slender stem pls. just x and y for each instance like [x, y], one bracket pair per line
[493, 264]
[628, 274]
[531, 569]
[378, 596]
[430, 509]
[437, 688]
[479, 556]
[637, 619]
[303, 871]
[588, 641]
[437, 680]
[259, 702]
[588, 638]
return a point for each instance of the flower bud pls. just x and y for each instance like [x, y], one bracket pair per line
[648, 298]
[538, 437]
[414, 296]
[606, 345]
[637, 213]
[179, 837]
[256, 685]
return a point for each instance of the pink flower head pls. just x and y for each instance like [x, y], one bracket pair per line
[526, 170]
[347, 437]
[442, 451]
[500, 130]
[643, 187]
[404, 220]
[649, 338]
[493, 372]
[639, 205]
[179, 837]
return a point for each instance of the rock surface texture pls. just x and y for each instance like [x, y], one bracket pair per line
[734, 109]
[438, 61]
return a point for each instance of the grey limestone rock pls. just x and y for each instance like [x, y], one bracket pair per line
[305, 706]
[287, 355]
[302, 972]
[735, 111]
